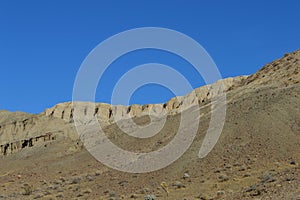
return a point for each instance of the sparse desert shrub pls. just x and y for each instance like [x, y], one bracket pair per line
[79, 143]
[28, 189]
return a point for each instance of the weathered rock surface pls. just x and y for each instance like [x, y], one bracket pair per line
[112, 113]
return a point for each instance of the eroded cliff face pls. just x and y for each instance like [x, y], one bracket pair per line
[19, 131]
[111, 113]
[15, 146]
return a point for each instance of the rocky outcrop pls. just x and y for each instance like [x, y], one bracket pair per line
[109, 113]
[15, 146]
[30, 130]
[21, 130]
[282, 72]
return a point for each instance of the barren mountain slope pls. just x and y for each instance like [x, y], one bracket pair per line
[256, 157]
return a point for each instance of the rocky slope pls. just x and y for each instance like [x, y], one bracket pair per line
[256, 157]
[20, 130]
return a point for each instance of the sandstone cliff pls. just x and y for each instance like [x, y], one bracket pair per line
[111, 113]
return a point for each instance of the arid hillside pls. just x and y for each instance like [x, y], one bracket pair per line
[256, 157]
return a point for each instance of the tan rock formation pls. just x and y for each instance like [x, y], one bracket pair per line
[112, 113]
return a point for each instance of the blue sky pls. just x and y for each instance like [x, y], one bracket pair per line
[43, 43]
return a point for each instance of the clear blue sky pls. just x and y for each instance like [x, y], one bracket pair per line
[43, 43]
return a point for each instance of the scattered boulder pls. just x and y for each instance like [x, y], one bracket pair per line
[76, 181]
[251, 188]
[60, 196]
[178, 184]
[150, 197]
[268, 177]
[223, 178]
[185, 176]
[89, 178]
[87, 191]
[134, 196]
[203, 196]
[293, 163]
[220, 193]
[123, 183]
